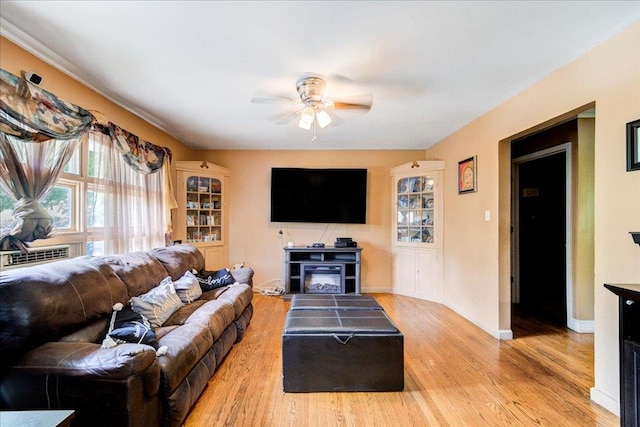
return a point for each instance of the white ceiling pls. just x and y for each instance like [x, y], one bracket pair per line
[192, 67]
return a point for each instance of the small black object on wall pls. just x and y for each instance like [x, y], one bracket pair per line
[636, 236]
[633, 145]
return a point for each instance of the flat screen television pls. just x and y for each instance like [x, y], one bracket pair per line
[319, 195]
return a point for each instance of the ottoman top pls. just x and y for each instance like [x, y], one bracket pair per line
[334, 302]
[338, 322]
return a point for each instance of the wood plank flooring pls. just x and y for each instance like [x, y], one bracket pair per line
[455, 375]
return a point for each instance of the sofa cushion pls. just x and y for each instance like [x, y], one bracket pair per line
[128, 326]
[239, 296]
[94, 332]
[158, 304]
[188, 288]
[186, 347]
[46, 302]
[139, 271]
[178, 259]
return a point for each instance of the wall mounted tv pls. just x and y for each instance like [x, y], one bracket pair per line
[319, 195]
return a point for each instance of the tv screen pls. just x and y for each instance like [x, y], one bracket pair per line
[319, 195]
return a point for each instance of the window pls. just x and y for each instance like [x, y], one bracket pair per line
[60, 202]
[102, 202]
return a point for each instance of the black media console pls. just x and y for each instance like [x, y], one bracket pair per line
[629, 314]
[327, 270]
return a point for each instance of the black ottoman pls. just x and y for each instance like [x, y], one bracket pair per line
[334, 302]
[341, 350]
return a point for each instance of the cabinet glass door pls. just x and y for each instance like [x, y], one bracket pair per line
[204, 209]
[415, 209]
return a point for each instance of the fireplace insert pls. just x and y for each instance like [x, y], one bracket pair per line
[322, 278]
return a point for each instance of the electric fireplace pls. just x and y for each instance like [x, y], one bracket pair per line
[322, 278]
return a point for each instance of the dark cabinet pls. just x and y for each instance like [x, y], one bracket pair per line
[630, 404]
[629, 314]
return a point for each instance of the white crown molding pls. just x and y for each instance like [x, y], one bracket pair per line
[33, 46]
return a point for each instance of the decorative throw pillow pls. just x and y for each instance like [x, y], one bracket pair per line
[127, 326]
[215, 279]
[243, 275]
[158, 304]
[188, 288]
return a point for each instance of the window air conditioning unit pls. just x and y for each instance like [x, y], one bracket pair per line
[41, 255]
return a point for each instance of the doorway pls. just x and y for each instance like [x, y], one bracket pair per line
[542, 285]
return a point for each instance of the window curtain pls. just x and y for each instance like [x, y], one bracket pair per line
[129, 193]
[147, 158]
[38, 135]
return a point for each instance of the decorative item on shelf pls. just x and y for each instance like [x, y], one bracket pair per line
[467, 174]
[192, 183]
[427, 184]
[203, 186]
[191, 220]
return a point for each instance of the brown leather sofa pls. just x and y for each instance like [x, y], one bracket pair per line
[53, 318]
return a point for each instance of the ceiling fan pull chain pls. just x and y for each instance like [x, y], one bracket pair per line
[314, 130]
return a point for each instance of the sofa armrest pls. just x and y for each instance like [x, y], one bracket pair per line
[82, 359]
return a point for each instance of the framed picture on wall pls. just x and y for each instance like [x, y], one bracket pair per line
[633, 145]
[467, 175]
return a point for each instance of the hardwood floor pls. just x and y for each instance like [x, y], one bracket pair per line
[455, 375]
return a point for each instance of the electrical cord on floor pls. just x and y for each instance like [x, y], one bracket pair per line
[263, 289]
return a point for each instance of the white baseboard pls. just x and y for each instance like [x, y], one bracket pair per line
[505, 334]
[493, 332]
[606, 401]
[582, 326]
[374, 290]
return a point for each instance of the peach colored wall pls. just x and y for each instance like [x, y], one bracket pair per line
[16, 60]
[256, 241]
[476, 253]
[583, 240]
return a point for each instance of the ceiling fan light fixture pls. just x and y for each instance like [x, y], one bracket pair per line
[304, 125]
[306, 118]
[323, 118]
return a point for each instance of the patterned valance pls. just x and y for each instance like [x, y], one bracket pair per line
[141, 155]
[33, 115]
[38, 134]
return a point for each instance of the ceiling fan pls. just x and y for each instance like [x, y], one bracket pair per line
[314, 109]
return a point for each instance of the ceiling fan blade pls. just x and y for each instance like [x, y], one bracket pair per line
[348, 105]
[360, 102]
[285, 118]
[275, 99]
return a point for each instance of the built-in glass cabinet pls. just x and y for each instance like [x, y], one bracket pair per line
[201, 217]
[203, 209]
[415, 204]
[416, 230]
